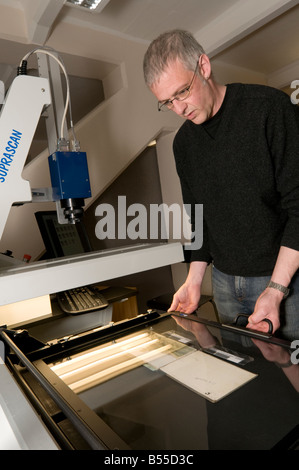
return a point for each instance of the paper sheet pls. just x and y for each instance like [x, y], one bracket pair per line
[208, 376]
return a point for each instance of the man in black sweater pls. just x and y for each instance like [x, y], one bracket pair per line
[237, 153]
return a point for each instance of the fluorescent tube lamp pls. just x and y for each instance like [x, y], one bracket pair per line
[87, 369]
[95, 5]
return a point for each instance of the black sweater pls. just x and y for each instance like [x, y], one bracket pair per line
[243, 166]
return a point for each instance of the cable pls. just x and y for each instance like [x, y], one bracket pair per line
[50, 52]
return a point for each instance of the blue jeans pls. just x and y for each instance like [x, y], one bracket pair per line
[235, 294]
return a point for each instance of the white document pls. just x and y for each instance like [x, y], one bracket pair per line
[207, 375]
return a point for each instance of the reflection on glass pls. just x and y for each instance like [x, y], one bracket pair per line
[90, 368]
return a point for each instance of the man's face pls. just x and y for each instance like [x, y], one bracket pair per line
[198, 106]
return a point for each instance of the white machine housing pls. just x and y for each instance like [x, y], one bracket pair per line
[20, 115]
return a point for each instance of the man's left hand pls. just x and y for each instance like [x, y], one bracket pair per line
[266, 307]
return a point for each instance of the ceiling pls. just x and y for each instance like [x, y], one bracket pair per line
[262, 36]
[280, 45]
[274, 25]
[145, 19]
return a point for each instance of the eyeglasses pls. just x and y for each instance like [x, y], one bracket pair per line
[180, 96]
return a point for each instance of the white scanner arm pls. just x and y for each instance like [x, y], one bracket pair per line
[20, 115]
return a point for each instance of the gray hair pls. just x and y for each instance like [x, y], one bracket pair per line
[167, 48]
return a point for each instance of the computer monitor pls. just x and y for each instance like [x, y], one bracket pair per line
[61, 239]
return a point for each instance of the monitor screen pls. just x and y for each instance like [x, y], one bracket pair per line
[61, 239]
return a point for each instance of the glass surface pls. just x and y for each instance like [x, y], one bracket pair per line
[149, 410]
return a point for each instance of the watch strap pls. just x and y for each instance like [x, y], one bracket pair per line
[281, 288]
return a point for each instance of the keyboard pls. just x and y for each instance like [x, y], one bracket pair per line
[81, 300]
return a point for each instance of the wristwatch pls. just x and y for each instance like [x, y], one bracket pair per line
[285, 365]
[279, 287]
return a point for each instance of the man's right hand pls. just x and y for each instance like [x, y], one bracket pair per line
[186, 299]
